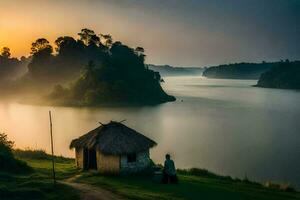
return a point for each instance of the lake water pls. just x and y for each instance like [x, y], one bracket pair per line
[225, 126]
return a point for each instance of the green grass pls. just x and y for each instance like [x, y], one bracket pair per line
[41, 162]
[189, 187]
[39, 184]
[194, 184]
[63, 170]
[33, 187]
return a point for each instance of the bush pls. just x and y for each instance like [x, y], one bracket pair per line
[8, 162]
[5, 145]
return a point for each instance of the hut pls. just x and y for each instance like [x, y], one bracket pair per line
[113, 148]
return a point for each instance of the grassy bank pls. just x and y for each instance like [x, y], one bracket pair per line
[194, 184]
[190, 187]
[33, 187]
[38, 184]
[42, 163]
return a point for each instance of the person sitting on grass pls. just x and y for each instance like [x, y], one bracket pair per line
[169, 171]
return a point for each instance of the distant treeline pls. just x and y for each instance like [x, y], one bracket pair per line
[286, 75]
[167, 70]
[101, 71]
[239, 70]
[10, 67]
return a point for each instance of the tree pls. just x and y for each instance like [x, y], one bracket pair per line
[139, 50]
[8, 162]
[5, 52]
[141, 53]
[64, 42]
[41, 45]
[41, 64]
[68, 46]
[89, 37]
[107, 39]
[5, 145]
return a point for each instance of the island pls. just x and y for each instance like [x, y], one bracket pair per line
[115, 74]
[284, 76]
[251, 71]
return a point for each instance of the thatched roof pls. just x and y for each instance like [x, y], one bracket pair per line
[114, 138]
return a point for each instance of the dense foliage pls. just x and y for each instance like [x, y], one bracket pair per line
[101, 72]
[286, 76]
[48, 67]
[111, 85]
[114, 74]
[71, 55]
[238, 70]
[8, 163]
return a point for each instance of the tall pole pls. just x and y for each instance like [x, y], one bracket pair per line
[53, 170]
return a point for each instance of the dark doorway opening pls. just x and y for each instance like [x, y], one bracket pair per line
[89, 159]
[131, 158]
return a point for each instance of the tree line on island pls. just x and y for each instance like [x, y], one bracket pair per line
[91, 70]
[285, 75]
[238, 70]
[10, 67]
[282, 74]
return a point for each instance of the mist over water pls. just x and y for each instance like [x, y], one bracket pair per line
[226, 126]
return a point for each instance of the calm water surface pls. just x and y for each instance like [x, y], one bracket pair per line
[226, 126]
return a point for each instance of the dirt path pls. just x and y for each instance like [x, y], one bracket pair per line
[89, 192]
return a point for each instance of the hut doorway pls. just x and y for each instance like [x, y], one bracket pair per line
[89, 159]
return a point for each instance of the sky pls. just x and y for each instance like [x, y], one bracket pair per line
[175, 32]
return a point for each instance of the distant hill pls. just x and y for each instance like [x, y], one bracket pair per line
[238, 70]
[286, 75]
[167, 70]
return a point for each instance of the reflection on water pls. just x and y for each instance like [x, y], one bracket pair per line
[226, 126]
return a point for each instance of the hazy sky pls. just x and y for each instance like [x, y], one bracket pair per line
[177, 32]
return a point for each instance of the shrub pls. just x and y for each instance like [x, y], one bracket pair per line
[8, 162]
